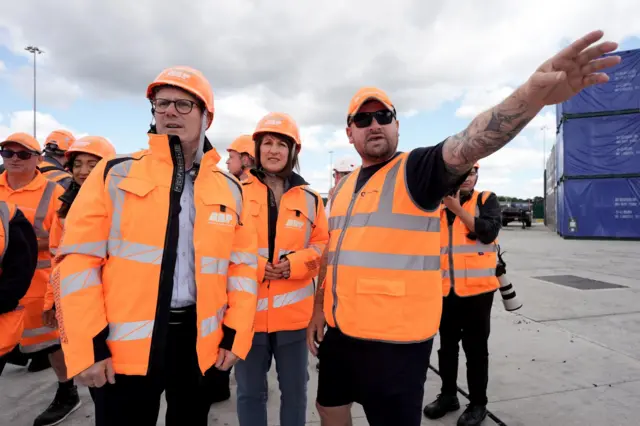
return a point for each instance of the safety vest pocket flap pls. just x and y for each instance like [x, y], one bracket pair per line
[254, 208]
[372, 286]
[300, 216]
[138, 187]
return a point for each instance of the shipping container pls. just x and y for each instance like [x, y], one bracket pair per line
[605, 145]
[599, 208]
[621, 92]
[551, 169]
[550, 203]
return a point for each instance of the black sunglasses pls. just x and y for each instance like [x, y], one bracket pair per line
[23, 155]
[364, 119]
[183, 106]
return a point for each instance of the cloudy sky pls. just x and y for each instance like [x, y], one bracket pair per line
[442, 62]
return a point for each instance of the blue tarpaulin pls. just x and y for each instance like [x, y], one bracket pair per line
[621, 92]
[605, 208]
[606, 145]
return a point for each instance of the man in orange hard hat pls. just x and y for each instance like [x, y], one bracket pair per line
[37, 197]
[157, 281]
[469, 225]
[242, 157]
[383, 278]
[54, 161]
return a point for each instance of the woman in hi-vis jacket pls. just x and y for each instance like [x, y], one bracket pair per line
[292, 232]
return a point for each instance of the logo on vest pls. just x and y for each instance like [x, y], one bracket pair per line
[219, 218]
[292, 223]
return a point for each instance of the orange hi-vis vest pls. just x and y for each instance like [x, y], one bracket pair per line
[113, 283]
[301, 235]
[383, 278]
[38, 201]
[11, 323]
[55, 173]
[473, 263]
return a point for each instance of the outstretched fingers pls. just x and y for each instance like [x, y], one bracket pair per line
[600, 64]
[574, 49]
[596, 51]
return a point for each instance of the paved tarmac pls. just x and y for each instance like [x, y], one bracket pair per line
[568, 357]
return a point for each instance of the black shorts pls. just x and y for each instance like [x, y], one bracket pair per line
[386, 379]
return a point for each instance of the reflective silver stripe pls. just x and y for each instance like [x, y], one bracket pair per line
[384, 217]
[4, 217]
[401, 262]
[42, 209]
[311, 215]
[249, 259]
[263, 304]
[53, 174]
[117, 174]
[27, 349]
[237, 194]
[211, 324]
[317, 249]
[213, 265]
[35, 332]
[470, 273]
[134, 330]
[44, 264]
[470, 248]
[76, 282]
[242, 284]
[96, 248]
[136, 252]
[292, 297]
[264, 252]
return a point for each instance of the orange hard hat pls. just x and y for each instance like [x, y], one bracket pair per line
[243, 144]
[279, 123]
[63, 139]
[25, 140]
[369, 94]
[188, 79]
[94, 145]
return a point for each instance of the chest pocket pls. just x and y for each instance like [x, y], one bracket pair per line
[298, 226]
[136, 208]
[221, 212]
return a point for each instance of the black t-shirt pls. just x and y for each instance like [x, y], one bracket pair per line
[428, 178]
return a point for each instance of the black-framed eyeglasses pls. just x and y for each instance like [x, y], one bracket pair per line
[183, 106]
[364, 119]
[23, 155]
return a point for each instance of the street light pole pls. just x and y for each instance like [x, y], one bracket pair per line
[36, 51]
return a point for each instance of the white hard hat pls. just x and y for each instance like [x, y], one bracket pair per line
[345, 165]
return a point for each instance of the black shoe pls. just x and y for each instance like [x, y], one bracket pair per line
[473, 415]
[441, 406]
[39, 362]
[65, 402]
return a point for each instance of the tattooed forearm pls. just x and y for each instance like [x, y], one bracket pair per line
[488, 132]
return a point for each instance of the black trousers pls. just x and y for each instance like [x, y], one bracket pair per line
[467, 319]
[135, 400]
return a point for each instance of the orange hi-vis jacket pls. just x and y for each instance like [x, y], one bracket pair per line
[300, 235]
[114, 280]
[383, 278]
[53, 171]
[473, 263]
[11, 323]
[38, 201]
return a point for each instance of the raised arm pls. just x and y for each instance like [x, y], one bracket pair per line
[571, 70]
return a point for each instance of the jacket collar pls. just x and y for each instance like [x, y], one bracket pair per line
[160, 147]
[291, 182]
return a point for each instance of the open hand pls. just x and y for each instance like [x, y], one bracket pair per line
[574, 68]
